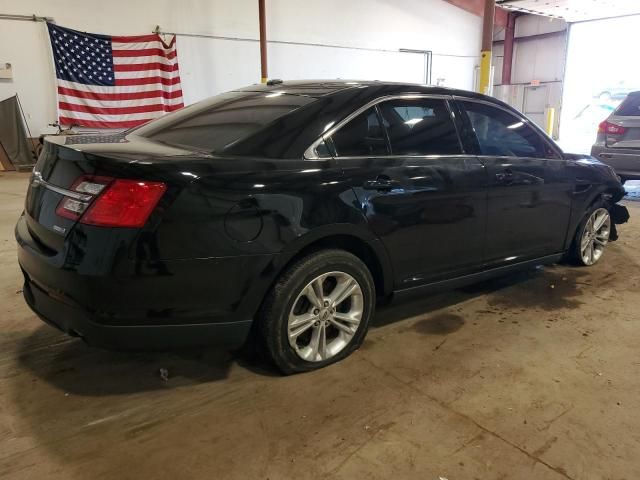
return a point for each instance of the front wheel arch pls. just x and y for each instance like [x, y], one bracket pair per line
[574, 253]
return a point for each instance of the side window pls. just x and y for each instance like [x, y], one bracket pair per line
[421, 126]
[501, 133]
[361, 136]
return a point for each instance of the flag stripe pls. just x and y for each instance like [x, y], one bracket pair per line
[103, 124]
[143, 52]
[120, 103]
[118, 97]
[147, 80]
[144, 59]
[154, 37]
[106, 117]
[136, 67]
[144, 38]
[140, 45]
[118, 110]
[117, 89]
[147, 74]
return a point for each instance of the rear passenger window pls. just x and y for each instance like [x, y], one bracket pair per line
[361, 136]
[420, 126]
[502, 134]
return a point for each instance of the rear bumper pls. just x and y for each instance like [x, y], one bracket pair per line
[626, 163]
[79, 323]
[116, 302]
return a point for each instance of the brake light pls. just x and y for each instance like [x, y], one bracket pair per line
[125, 203]
[109, 202]
[611, 128]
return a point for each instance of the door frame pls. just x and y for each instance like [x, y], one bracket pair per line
[312, 154]
[457, 99]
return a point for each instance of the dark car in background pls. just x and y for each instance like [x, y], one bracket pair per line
[286, 210]
[618, 141]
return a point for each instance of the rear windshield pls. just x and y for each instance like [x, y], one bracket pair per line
[630, 107]
[215, 124]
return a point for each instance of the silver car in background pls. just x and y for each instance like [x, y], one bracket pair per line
[618, 142]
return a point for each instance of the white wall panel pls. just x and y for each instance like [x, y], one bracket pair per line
[541, 59]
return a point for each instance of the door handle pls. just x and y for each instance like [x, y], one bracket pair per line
[382, 182]
[505, 176]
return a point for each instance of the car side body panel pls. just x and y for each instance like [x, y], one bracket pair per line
[230, 224]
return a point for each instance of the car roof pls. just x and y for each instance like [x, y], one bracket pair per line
[321, 88]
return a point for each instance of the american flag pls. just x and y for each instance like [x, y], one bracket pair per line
[108, 81]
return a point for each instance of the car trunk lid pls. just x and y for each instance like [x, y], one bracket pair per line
[623, 132]
[78, 168]
[53, 176]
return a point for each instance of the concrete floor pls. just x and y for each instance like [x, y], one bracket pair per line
[531, 377]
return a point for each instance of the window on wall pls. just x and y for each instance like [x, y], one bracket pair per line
[420, 126]
[362, 136]
[501, 133]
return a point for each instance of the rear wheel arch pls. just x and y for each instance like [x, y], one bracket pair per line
[369, 251]
[302, 328]
[350, 238]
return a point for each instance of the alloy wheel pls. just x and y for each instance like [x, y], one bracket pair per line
[325, 316]
[595, 236]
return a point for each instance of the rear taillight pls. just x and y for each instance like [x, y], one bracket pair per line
[112, 203]
[609, 128]
[88, 187]
[126, 203]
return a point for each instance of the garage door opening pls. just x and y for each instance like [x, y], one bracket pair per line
[601, 71]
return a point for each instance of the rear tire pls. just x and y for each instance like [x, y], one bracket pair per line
[318, 311]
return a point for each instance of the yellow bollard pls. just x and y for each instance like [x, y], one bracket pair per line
[550, 121]
[485, 72]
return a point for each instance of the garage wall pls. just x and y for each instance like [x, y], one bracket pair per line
[540, 58]
[373, 31]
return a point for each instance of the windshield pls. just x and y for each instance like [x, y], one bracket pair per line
[215, 124]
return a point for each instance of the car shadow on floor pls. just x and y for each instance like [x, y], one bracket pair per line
[76, 368]
[423, 304]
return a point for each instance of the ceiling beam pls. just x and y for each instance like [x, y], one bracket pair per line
[477, 8]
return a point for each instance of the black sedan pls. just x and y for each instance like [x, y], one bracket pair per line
[286, 210]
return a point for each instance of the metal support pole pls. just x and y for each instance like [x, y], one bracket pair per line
[263, 41]
[26, 18]
[509, 37]
[487, 43]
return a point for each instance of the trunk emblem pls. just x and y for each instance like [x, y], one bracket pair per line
[58, 229]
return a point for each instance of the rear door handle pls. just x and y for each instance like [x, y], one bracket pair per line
[382, 182]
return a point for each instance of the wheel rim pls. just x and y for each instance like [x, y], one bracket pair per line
[325, 316]
[595, 236]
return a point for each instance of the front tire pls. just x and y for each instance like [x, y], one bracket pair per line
[318, 311]
[592, 236]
